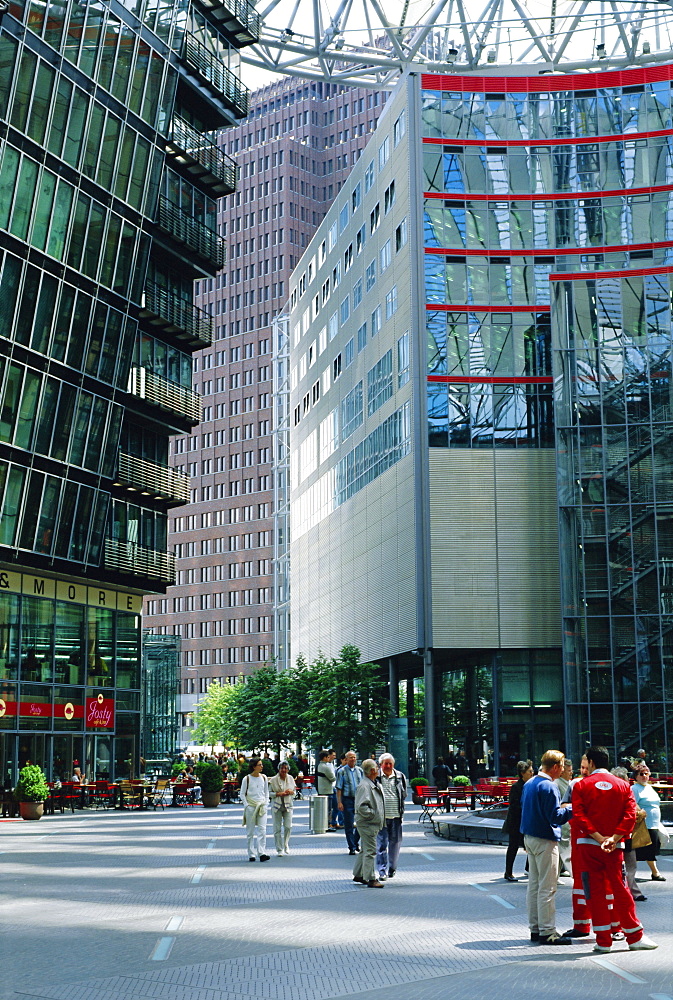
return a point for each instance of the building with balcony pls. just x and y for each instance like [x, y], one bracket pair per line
[293, 151]
[108, 184]
[479, 340]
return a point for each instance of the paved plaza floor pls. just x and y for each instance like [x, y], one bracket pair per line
[133, 906]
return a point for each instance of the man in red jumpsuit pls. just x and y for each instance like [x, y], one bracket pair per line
[604, 814]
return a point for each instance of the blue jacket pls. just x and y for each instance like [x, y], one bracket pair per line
[542, 814]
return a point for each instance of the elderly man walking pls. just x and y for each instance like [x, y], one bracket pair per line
[541, 818]
[370, 816]
[389, 839]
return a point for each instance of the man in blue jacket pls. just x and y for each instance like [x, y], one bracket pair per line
[542, 816]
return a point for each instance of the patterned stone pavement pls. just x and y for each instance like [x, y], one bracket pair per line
[133, 906]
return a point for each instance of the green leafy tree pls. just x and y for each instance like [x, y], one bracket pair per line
[256, 711]
[215, 715]
[348, 703]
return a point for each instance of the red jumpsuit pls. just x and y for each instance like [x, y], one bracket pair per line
[603, 803]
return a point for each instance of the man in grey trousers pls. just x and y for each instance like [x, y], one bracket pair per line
[370, 817]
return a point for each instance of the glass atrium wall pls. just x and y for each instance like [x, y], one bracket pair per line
[161, 680]
[520, 186]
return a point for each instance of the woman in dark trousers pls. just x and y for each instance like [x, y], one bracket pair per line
[513, 819]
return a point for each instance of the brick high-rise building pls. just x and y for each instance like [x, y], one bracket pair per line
[295, 150]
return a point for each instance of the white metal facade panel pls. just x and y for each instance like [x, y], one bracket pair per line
[495, 576]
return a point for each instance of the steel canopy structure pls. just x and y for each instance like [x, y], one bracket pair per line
[364, 43]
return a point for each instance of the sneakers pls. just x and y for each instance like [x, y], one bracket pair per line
[280, 853]
[510, 878]
[618, 936]
[382, 876]
[555, 938]
[375, 884]
[535, 936]
[391, 872]
[575, 933]
[645, 944]
[602, 949]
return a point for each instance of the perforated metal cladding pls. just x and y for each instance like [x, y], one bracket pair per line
[353, 577]
[495, 575]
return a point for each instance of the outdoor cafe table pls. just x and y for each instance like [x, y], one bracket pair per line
[145, 787]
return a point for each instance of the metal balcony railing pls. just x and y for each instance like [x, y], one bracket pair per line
[186, 230]
[201, 158]
[168, 396]
[129, 557]
[177, 313]
[238, 18]
[152, 479]
[225, 83]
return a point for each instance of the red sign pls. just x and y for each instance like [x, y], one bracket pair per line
[100, 713]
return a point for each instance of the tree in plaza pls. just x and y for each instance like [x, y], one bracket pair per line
[347, 703]
[214, 715]
[257, 717]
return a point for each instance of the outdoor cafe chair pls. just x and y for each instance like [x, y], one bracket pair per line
[131, 795]
[161, 789]
[431, 804]
[103, 794]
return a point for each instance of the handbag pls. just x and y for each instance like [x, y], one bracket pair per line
[641, 835]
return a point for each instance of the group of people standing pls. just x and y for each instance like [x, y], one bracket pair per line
[366, 801]
[597, 815]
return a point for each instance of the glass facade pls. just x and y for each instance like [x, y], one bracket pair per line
[105, 222]
[548, 229]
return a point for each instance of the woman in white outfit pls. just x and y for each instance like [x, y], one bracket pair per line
[282, 789]
[255, 798]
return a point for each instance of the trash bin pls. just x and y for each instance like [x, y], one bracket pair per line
[318, 811]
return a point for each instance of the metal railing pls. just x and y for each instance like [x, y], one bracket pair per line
[168, 396]
[186, 230]
[238, 17]
[163, 482]
[129, 557]
[216, 74]
[178, 312]
[202, 156]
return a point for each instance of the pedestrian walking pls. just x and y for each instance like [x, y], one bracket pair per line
[370, 816]
[282, 789]
[604, 814]
[512, 824]
[325, 779]
[347, 780]
[255, 798]
[541, 817]
[389, 837]
[647, 799]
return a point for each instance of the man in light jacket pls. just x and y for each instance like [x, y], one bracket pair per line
[389, 839]
[370, 816]
[325, 781]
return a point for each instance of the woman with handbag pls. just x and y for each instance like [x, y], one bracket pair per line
[512, 823]
[639, 838]
[255, 798]
[647, 799]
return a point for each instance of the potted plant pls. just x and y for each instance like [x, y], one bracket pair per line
[178, 768]
[415, 783]
[461, 780]
[211, 785]
[31, 791]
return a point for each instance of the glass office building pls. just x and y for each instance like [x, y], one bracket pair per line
[480, 393]
[108, 188]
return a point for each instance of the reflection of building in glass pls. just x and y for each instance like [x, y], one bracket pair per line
[108, 188]
[447, 331]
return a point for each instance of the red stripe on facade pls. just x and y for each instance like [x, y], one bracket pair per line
[548, 83]
[561, 196]
[553, 252]
[588, 275]
[442, 307]
[560, 141]
[493, 379]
